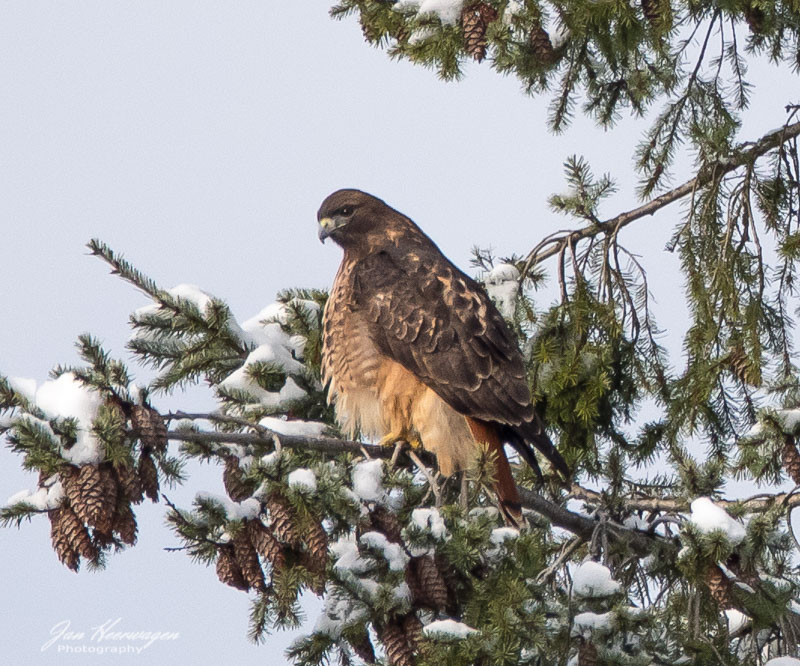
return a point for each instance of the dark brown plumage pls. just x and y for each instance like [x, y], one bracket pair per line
[415, 349]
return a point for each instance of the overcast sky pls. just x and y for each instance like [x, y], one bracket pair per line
[199, 139]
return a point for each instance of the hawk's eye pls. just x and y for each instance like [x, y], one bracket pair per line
[346, 211]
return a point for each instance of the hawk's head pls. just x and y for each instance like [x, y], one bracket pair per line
[349, 217]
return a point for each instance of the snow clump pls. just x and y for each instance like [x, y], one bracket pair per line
[708, 517]
[502, 285]
[303, 479]
[47, 497]
[66, 397]
[592, 579]
[448, 629]
[448, 11]
[368, 480]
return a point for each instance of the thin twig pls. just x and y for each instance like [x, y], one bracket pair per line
[437, 493]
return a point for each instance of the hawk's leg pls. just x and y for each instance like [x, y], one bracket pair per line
[402, 435]
[463, 497]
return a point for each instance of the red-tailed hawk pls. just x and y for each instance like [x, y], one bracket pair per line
[413, 349]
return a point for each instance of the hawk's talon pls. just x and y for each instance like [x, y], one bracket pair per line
[394, 438]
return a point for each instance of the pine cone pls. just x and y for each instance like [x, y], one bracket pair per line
[474, 20]
[233, 479]
[75, 533]
[396, 645]
[651, 10]
[148, 475]
[111, 495]
[69, 481]
[228, 570]
[741, 366]
[150, 426]
[413, 628]
[719, 586]
[384, 521]
[587, 653]
[317, 541]
[61, 544]
[283, 519]
[93, 496]
[125, 523]
[312, 565]
[315, 559]
[368, 29]
[450, 577]
[541, 45]
[266, 544]
[129, 483]
[755, 18]
[791, 459]
[247, 559]
[363, 648]
[428, 587]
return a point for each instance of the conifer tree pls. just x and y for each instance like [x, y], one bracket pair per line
[642, 558]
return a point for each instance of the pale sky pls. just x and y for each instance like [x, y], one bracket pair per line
[198, 138]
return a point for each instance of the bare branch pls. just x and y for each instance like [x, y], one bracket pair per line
[754, 504]
[751, 152]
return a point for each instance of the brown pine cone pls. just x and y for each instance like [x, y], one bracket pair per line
[148, 475]
[247, 559]
[396, 646]
[755, 18]
[475, 18]
[651, 10]
[791, 459]
[541, 45]
[228, 570]
[370, 32]
[75, 533]
[150, 426]
[719, 586]
[315, 559]
[266, 545]
[129, 483]
[587, 653]
[385, 522]
[69, 481]
[233, 479]
[61, 544]
[427, 585]
[413, 628]
[125, 523]
[363, 648]
[451, 578]
[312, 565]
[92, 494]
[317, 541]
[111, 492]
[741, 366]
[283, 519]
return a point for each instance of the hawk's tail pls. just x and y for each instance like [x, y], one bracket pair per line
[530, 435]
[505, 488]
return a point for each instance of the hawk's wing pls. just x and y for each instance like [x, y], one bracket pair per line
[440, 325]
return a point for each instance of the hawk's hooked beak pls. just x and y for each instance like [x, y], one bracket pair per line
[327, 225]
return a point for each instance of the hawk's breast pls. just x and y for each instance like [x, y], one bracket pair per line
[350, 360]
[375, 395]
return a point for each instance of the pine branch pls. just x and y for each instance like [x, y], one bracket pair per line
[578, 524]
[756, 504]
[556, 243]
